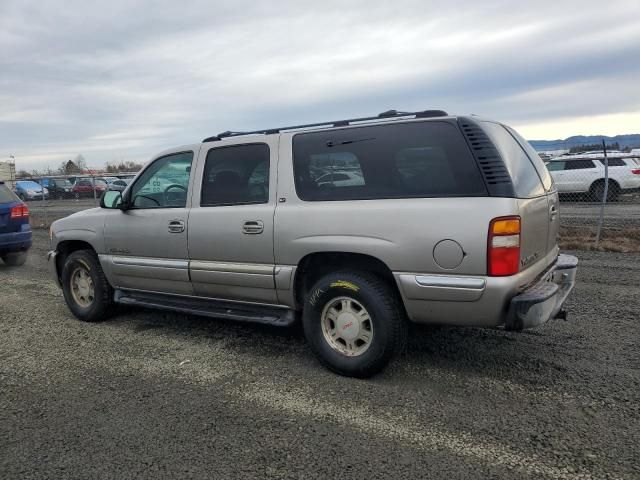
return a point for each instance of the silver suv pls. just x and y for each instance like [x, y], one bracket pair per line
[355, 226]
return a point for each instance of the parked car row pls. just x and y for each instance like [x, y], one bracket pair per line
[73, 187]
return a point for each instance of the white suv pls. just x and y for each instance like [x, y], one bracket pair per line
[585, 174]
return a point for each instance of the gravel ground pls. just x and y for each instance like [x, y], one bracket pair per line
[152, 394]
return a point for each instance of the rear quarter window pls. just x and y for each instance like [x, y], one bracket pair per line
[6, 195]
[407, 160]
[525, 178]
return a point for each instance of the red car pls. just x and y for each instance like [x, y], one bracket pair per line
[84, 187]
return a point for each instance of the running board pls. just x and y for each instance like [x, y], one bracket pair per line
[244, 312]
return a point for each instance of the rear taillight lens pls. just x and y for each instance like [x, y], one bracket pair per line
[636, 171]
[19, 211]
[503, 251]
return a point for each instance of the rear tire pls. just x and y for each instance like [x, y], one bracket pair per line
[86, 290]
[596, 192]
[354, 323]
[14, 259]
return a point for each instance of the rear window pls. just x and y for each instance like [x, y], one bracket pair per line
[417, 159]
[525, 178]
[547, 182]
[614, 162]
[6, 195]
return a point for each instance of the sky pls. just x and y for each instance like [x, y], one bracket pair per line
[123, 80]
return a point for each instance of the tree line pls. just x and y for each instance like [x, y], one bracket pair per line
[78, 166]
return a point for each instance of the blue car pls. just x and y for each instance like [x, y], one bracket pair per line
[30, 190]
[15, 231]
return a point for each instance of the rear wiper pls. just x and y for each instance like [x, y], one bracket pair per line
[347, 142]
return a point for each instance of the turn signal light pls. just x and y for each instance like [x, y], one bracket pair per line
[19, 211]
[503, 246]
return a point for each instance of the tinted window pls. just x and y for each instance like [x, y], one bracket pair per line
[538, 164]
[555, 166]
[614, 162]
[579, 164]
[417, 159]
[7, 195]
[164, 183]
[524, 176]
[237, 175]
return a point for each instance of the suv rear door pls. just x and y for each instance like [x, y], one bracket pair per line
[231, 222]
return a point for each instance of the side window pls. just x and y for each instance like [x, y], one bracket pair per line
[406, 160]
[236, 175]
[547, 182]
[579, 165]
[164, 183]
[614, 162]
[555, 166]
[526, 182]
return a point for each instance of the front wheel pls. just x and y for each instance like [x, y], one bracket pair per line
[354, 323]
[86, 290]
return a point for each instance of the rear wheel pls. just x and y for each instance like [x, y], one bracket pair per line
[353, 323]
[596, 192]
[86, 290]
[14, 259]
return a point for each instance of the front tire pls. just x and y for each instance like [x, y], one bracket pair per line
[86, 290]
[354, 323]
[14, 259]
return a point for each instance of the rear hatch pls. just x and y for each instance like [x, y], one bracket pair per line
[534, 189]
[8, 200]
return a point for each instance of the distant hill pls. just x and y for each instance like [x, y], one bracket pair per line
[632, 140]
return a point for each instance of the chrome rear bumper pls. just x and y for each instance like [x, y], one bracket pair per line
[543, 301]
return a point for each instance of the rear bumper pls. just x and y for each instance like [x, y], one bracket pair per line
[482, 301]
[543, 301]
[16, 241]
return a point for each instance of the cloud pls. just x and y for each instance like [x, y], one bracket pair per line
[123, 80]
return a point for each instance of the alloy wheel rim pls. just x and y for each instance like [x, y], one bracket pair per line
[82, 287]
[347, 326]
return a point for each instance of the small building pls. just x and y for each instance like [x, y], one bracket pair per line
[8, 173]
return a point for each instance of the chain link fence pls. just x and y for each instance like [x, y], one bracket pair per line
[56, 196]
[599, 198]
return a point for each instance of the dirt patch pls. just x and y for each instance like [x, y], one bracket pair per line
[623, 240]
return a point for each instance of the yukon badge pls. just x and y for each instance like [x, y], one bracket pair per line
[530, 259]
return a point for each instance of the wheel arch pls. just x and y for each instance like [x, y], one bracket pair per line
[66, 248]
[315, 265]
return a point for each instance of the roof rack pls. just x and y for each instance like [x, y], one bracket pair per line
[334, 123]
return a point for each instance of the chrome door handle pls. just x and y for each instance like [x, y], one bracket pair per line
[176, 226]
[253, 227]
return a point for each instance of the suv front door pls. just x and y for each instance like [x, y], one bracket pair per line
[147, 244]
[231, 222]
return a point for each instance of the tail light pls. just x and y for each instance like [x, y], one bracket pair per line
[503, 251]
[19, 211]
[636, 171]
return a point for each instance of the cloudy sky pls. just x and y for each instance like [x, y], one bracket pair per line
[125, 79]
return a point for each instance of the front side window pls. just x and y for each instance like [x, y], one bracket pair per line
[164, 184]
[236, 175]
[416, 159]
[555, 166]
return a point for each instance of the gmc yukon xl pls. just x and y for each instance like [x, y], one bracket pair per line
[356, 227]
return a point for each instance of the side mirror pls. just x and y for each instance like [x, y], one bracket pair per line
[111, 199]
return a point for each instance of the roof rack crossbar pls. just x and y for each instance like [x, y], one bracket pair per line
[334, 123]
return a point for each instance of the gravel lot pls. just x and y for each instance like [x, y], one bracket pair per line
[152, 394]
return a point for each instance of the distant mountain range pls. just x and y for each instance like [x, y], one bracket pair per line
[632, 140]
